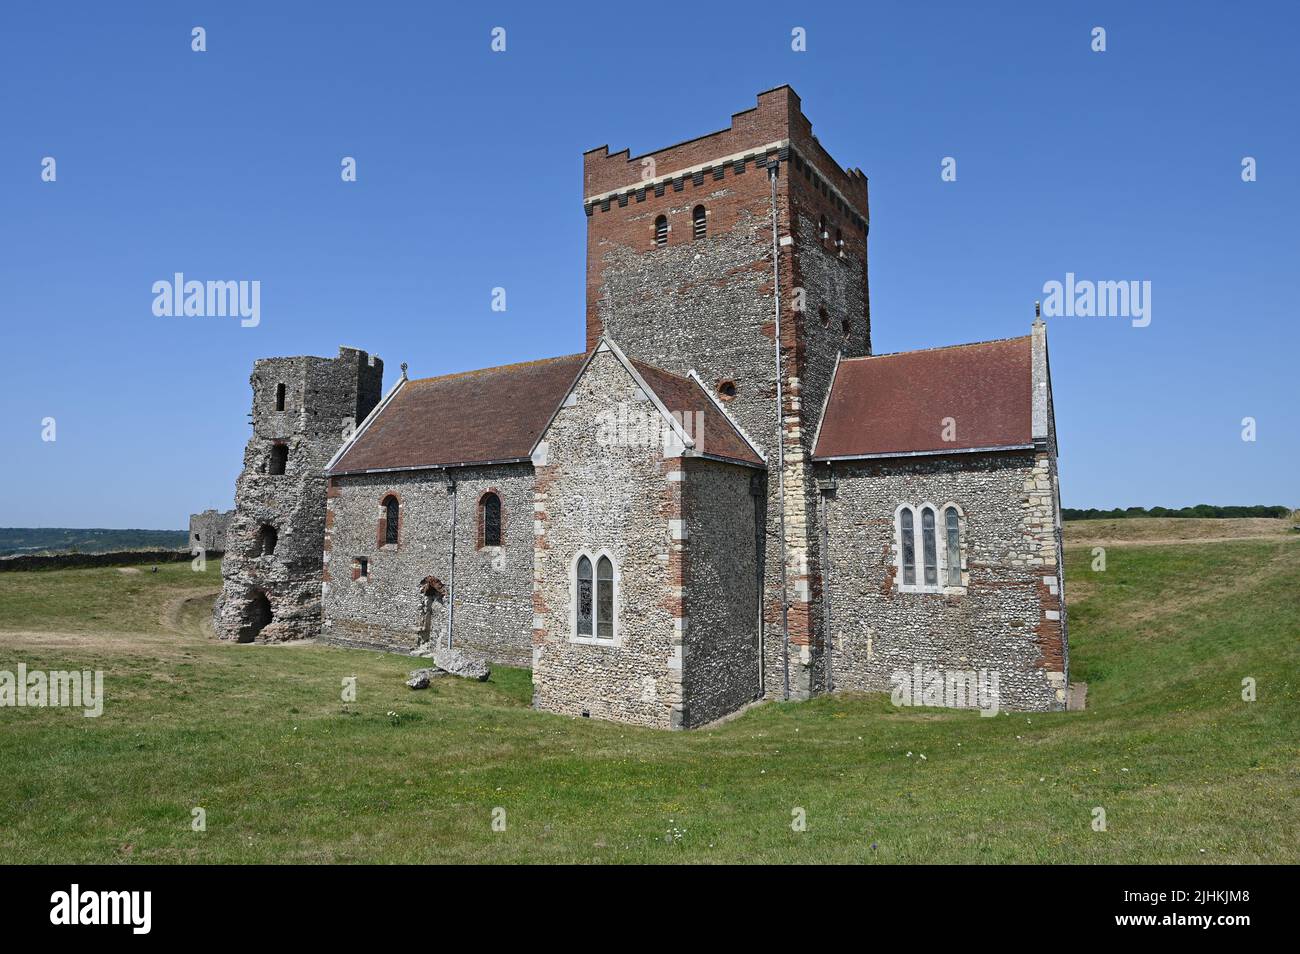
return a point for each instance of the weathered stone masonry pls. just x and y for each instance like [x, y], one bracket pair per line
[302, 410]
[617, 500]
[387, 609]
[208, 530]
[680, 531]
[998, 619]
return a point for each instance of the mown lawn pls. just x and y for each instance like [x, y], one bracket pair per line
[286, 772]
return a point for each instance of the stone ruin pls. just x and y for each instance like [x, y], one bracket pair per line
[208, 531]
[303, 409]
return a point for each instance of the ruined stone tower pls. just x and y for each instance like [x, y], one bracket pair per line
[682, 264]
[303, 408]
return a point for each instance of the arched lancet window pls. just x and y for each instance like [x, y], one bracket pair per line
[279, 397]
[661, 231]
[279, 459]
[586, 605]
[605, 599]
[392, 517]
[928, 549]
[491, 517]
[952, 523]
[839, 240]
[821, 229]
[699, 222]
[909, 547]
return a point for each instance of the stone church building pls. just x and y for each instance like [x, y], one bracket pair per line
[725, 497]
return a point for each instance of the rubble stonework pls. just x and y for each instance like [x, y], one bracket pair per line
[388, 608]
[684, 646]
[271, 574]
[998, 620]
[208, 530]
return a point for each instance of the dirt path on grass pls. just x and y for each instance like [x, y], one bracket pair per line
[179, 614]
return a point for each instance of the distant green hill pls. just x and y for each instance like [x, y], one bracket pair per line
[15, 540]
[1200, 510]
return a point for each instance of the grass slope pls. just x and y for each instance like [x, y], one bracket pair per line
[258, 737]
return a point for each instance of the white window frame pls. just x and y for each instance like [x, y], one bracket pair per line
[940, 546]
[593, 640]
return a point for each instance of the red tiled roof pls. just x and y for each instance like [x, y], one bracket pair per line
[713, 433]
[466, 418]
[896, 403]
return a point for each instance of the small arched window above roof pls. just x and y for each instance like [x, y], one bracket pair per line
[699, 222]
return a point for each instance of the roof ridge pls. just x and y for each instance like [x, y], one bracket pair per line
[965, 344]
[497, 367]
[654, 367]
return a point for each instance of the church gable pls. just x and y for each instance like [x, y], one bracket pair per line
[636, 465]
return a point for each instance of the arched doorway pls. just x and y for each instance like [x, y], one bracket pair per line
[257, 615]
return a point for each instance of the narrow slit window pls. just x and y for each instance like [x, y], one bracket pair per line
[953, 525]
[661, 231]
[928, 547]
[391, 517]
[491, 520]
[909, 548]
[699, 222]
[279, 397]
[584, 595]
[605, 599]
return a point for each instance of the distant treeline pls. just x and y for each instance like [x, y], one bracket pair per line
[1200, 510]
[17, 540]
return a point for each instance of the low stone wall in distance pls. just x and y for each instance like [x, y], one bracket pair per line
[64, 561]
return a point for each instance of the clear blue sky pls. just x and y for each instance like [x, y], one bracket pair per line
[225, 165]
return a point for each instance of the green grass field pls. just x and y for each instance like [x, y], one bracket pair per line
[257, 736]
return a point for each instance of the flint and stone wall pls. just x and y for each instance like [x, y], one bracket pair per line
[271, 594]
[624, 501]
[681, 532]
[1009, 617]
[720, 649]
[387, 610]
